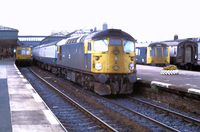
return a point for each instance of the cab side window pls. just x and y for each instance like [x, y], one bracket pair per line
[89, 46]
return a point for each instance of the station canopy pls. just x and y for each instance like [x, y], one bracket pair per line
[8, 37]
[2, 28]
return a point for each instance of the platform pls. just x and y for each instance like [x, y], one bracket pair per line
[21, 108]
[186, 81]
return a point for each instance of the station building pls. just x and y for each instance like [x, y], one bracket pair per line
[8, 41]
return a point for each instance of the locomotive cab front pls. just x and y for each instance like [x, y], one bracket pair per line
[113, 63]
[158, 54]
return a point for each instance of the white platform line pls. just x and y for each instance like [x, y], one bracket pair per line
[50, 117]
[194, 91]
[160, 84]
[37, 98]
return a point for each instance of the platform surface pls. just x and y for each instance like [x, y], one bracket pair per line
[187, 81]
[21, 108]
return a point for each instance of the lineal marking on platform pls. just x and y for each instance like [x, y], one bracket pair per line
[24, 80]
[139, 78]
[29, 86]
[50, 117]
[194, 91]
[3, 73]
[19, 73]
[37, 98]
[161, 84]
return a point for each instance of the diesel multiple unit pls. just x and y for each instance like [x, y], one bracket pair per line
[156, 53]
[23, 56]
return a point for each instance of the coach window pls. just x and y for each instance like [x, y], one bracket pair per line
[137, 51]
[152, 52]
[129, 46]
[159, 52]
[101, 45]
[165, 52]
[175, 51]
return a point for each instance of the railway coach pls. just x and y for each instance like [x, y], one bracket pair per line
[183, 53]
[156, 53]
[104, 61]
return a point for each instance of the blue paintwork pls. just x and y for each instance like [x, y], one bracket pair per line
[69, 55]
[142, 56]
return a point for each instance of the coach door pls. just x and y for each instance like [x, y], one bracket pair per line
[188, 54]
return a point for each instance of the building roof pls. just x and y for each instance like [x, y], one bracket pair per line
[2, 28]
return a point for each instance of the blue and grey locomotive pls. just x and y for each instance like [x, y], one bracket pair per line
[104, 61]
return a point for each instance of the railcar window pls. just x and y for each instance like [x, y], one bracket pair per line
[117, 42]
[23, 51]
[137, 51]
[101, 45]
[19, 52]
[165, 52]
[159, 52]
[28, 52]
[129, 46]
[152, 52]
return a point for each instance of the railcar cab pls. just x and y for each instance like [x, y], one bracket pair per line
[23, 56]
[158, 53]
[113, 51]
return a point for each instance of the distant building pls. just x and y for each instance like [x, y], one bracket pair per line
[8, 41]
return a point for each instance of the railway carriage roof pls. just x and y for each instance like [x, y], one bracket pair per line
[177, 42]
[116, 33]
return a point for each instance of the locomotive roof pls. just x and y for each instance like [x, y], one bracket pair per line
[116, 33]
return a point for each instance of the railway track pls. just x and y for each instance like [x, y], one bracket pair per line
[121, 111]
[168, 119]
[73, 116]
[168, 111]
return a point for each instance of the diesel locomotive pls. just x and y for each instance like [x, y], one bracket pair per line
[103, 61]
[23, 56]
[156, 53]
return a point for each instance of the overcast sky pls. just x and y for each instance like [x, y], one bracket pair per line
[145, 20]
